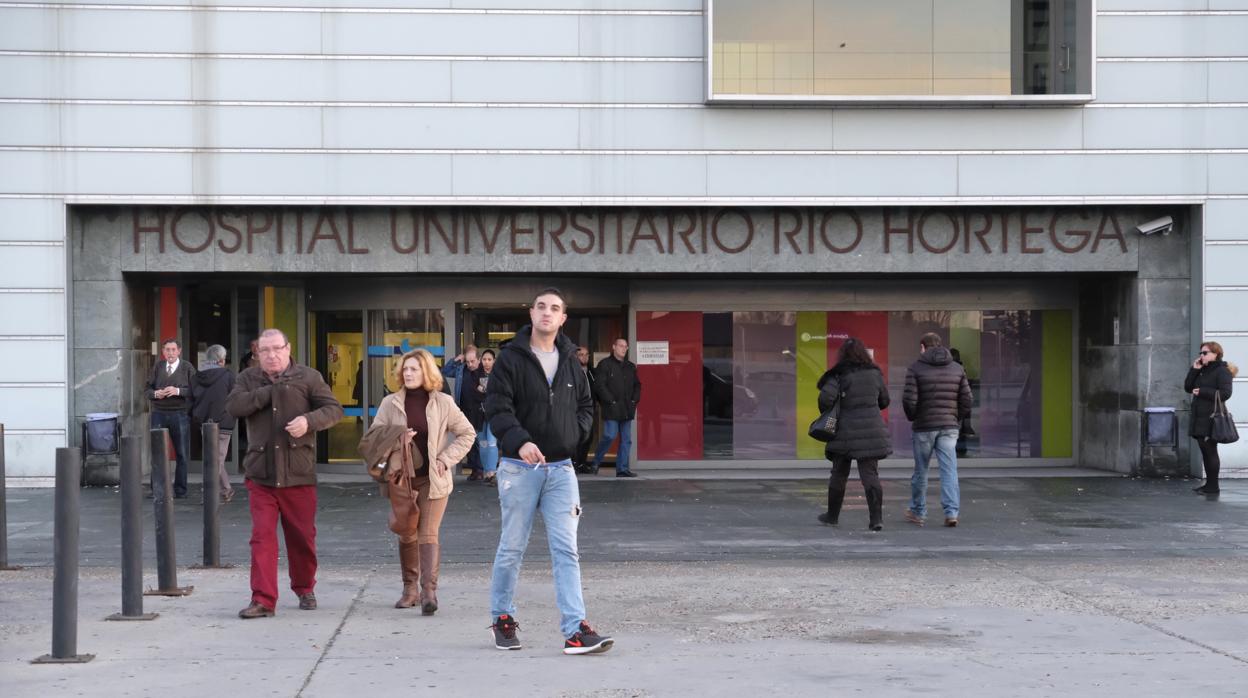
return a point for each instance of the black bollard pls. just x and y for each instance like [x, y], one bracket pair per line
[131, 532]
[162, 494]
[65, 560]
[212, 501]
[4, 513]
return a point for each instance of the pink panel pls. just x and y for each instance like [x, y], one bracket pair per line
[669, 418]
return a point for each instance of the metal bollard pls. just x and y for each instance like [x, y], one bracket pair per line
[131, 532]
[162, 494]
[212, 503]
[4, 513]
[65, 572]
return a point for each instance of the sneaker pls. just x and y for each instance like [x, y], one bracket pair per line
[828, 519]
[951, 521]
[626, 473]
[505, 628]
[307, 602]
[586, 641]
[255, 610]
[913, 518]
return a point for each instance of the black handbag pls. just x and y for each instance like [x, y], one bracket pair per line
[824, 427]
[1223, 430]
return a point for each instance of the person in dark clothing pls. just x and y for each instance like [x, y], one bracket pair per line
[169, 390]
[618, 391]
[477, 381]
[539, 408]
[210, 388]
[580, 460]
[936, 400]
[861, 435]
[1208, 376]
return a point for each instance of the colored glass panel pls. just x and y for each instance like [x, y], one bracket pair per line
[1057, 392]
[669, 418]
[811, 362]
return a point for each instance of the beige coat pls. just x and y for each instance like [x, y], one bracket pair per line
[450, 437]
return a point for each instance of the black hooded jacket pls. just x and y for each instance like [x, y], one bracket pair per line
[861, 432]
[1211, 378]
[208, 389]
[937, 395]
[522, 407]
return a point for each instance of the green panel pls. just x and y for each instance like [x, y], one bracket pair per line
[964, 332]
[1057, 395]
[286, 316]
[812, 361]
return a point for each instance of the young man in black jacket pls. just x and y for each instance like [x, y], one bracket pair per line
[538, 406]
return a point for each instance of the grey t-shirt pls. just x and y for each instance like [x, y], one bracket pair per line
[549, 361]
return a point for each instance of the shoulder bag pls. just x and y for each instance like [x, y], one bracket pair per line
[824, 427]
[1223, 430]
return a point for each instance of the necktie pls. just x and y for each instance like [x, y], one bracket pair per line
[168, 369]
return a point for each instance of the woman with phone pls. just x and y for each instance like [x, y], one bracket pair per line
[1208, 377]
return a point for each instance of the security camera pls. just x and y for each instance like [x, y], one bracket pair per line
[1157, 226]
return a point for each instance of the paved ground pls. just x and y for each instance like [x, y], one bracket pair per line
[1051, 586]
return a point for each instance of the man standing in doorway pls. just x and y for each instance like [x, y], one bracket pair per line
[580, 458]
[618, 391]
[212, 385]
[937, 399]
[539, 407]
[285, 404]
[169, 389]
[459, 369]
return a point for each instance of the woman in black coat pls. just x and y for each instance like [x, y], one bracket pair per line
[1208, 376]
[861, 434]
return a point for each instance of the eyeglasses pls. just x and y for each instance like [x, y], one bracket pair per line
[266, 351]
[1206, 351]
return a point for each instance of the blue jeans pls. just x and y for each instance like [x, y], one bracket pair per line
[943, 442]
[179, 426]
[487, 446]
[522, 492]
[610, 429]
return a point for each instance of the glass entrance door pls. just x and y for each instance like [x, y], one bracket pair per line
[339, 356]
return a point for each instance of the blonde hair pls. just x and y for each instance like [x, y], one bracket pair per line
[428, 368]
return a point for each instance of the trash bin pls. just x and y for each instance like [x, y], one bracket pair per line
[1161, 427]
[100, 434]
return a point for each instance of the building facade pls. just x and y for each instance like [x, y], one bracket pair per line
[734, 186]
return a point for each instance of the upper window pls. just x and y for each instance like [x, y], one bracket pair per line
[900, 50]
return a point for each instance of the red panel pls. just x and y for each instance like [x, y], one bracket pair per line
[869, 326]
[669, 418]
[168, 313]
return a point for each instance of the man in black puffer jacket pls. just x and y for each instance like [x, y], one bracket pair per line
[936, 400]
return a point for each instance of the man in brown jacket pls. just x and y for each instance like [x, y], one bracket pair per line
[285, 404]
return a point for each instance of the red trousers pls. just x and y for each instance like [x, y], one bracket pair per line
[297, 508]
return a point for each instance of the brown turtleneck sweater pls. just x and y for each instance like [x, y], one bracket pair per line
[414, 403]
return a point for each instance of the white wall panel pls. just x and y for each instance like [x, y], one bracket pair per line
[225, 174]
[642, 36]
[52, 77]
[257, 127]
[315, 80]
[808, 175]
[1095, 175]
[1152, 83]
[1166, 128]
[647, 83]
[1127, 5]
[32, 455]
[1227, 219]
[927, 129]
[580, 175]
[39, 266]
[398, 127]
[1171, 35]
[33, 313]
[716, 129]
[34, 361]
[30, 124]
[24, 29]
[1228, 82]
[1224, 266]
[683, 5]
[32, 219]
[145, 173]
[127, 125]
[1228, 174]
[1224, 310]
[451, 35]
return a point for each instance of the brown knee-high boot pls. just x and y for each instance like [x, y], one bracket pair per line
[430, 558]
[409, 562]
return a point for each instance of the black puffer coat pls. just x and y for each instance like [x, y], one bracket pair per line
[861, 432]
[1213, 377]
[938, 395]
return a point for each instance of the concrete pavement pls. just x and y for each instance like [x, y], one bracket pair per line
[1088, 586]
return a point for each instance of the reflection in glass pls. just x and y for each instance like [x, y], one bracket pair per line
[719, 392]
[393, 333]
[340, 359]
[901, 47]
[764, 376]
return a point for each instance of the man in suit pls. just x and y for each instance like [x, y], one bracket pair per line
[169, 390]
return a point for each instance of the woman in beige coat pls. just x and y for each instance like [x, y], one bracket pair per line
[420, 479]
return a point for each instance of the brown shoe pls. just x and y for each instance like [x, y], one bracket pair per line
[255, 610]
[409, 565]
[430, 559]
[913, 518]
[307, 602]
[951, 522]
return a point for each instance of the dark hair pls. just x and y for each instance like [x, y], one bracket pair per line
[854, 353]
[176, 343]
[930, 340]
[490, 352]
[552, 291]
